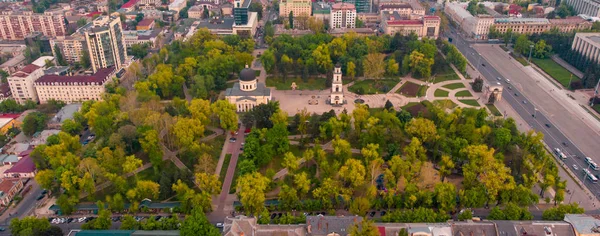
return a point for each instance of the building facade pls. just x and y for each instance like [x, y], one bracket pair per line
[478, 27]
[298, 7]
[425, 27]
[248, 92]
[522, 25]
[588, 44]
[362, 6]
[9, 187]
[404, 9]
[240, 11]
[587, 7]
[71, 47]
[22, 83]
[337, 87]
[17, 25]
[71, 89]
[342, 15]
[570, 24]
[105, 43]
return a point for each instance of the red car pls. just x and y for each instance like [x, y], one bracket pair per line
[247, 130]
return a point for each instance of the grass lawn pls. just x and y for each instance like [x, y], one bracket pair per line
[441, 93]
[504, 48]
[310, 84]
[470, 102]
[409, 105]
[445, 104]
[494, 110]
[597, 108]
[464, 93]
[445, 75]
[374, 111]
[522, 60]
[454, 86]
[422, 90]
[410, 89]
[555, 70]
[372, 87]
[224, 168]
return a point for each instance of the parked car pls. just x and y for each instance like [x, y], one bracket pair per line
[575, 167]
[232, 140]
[40, 197]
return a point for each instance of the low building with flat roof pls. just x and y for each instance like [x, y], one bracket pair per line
[535, 228]
[584, 225]
[473, 228]
[65, 113]
[6, 124]
[588, 44]
[427, 26]
[216, 25]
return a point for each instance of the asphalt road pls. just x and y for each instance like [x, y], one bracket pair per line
[26, 205]
[553, 137]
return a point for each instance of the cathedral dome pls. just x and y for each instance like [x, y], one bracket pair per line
[247, 74]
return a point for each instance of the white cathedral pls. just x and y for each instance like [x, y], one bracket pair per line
[248, 93]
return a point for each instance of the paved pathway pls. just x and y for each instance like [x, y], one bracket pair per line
[567, 66]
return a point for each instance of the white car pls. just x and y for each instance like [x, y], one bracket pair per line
[507, 81]
[575, 167]
[498, 78]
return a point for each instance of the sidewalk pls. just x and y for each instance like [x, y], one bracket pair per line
[567, 66]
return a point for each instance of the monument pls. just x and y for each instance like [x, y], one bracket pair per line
[337, 88]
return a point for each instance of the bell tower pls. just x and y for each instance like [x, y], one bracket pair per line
[337, 89]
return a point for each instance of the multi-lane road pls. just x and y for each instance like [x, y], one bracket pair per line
[553, 136]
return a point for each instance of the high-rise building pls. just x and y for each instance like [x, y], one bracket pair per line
[342, 16]
[240, 11]
[298, 7]
[105, 43]
[17, 25]
[71, 47]
[362, 6]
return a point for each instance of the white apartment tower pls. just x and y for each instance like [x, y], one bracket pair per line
[337, 88]
[342, 16]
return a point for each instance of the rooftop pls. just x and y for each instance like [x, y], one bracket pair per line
[129, 4]
[217, 23]
[459, 9]
[99, 77]
[13, 61]
[473, 228]
[583, 224]
[145, 22]
[25, 71]
[9, 159]
[343, 6]
[522, 21]
[5, 121]
[7, 184]
[55, 70]
[518, 228]
[41, 62]
[261, 90]
[25, 165]
[323, 225]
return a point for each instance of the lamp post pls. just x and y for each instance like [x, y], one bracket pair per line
[530, 49]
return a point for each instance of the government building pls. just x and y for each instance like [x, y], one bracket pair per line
[248, 93]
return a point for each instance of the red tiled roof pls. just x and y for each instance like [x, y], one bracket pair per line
[28, 69]
[405, 22]
[99, 77]
[14, 116]
[92, 14]
[25, 153]
[129, 4]
[381, 231]
[7, 184]
[145, 22]
[25, 165]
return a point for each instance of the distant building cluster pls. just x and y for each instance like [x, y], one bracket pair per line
[478, 26]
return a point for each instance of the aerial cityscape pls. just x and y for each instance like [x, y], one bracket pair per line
[299, 117]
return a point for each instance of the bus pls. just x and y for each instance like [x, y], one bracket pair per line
[590, 176]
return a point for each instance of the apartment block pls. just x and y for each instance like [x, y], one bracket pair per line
[21, 83]
[362, 6]
[71, 89]
[570, 24]
[105, 43]
[71, 47]
[403, 8]
[298, 7]
[478, 27]
[342, 15]
[588, 44]
[522, 25]
[17, 25]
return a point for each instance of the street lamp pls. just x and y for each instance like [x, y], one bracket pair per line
[530, 49]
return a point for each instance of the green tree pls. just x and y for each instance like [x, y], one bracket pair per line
[360, 206]
[28, 226]
[71, 127]
[197, 224]
[288, 197]
[34, 122]
[365, 228]
[60, 59]
[291, 19]
[541, 49]
[351, 69]
[392, 67]
[445, 196]
[420, 65]
[446, 166]
[353, 172]
[226, 112]
[251, 191]
[522, 45]
[374, 66]
[496, 214]
[465, 215]
[558, 213]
